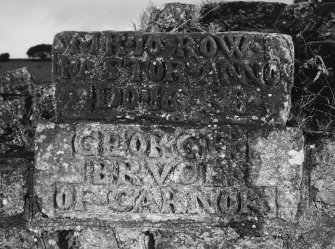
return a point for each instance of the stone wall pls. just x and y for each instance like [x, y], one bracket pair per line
[171, 140]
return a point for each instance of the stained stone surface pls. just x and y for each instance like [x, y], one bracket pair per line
[16, 91]
[277, 159]
[233, 77]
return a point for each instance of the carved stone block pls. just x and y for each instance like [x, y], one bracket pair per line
[233, 77]
[165, 173]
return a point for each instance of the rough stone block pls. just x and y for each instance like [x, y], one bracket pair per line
[12, 190]
[14, 175]
[17, 238]
[233, 77]
[16, 91]
[277, 159]
[28, 238]
[167, 173]
[322, 176]
[17, 82]
[233, 16]
[44, 109]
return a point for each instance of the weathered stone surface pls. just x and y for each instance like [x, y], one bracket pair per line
[16, 90]
[27, 238]
[235, 16]
[165, 173]
[146, 236]
[234, 77]
[322, 177]
[277, 159]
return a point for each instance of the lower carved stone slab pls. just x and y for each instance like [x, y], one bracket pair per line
[166, 173]
[148, 236]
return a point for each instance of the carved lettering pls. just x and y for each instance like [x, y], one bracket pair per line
[87, 142]
[154, 45]
[128, 171]
[232, 46]
[185, 46]
[122, 200]
[114, 143]
[135, 66]
[160, 171]
[86, 44]
[130, 98]
[157, 144]
[175, 70]
[208, 46]
[271, 74]
[156, 70]
[112, 66]
[64, 197]
[114, 44]
[138, 144]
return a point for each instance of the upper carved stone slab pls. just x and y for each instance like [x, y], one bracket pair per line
[231, 77]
